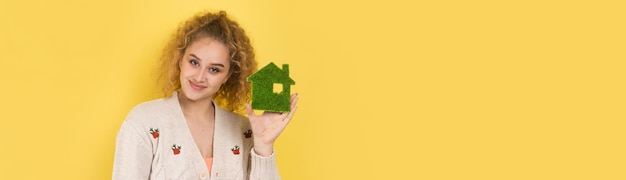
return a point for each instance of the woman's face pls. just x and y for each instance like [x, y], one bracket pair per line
[203, 69]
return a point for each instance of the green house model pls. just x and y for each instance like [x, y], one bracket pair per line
[271, 88]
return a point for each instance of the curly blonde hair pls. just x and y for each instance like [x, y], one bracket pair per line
[236, 91]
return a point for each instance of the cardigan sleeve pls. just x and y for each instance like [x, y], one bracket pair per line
[133, 154]
[263, 167]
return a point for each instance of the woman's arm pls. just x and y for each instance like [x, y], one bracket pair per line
[266, 128]
[133, 154]
[263, 167]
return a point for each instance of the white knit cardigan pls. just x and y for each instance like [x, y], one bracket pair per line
[154, 142]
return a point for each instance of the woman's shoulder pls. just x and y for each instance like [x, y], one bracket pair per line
[232, 116]
[152, 108]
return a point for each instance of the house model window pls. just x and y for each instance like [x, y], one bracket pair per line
[271, 88]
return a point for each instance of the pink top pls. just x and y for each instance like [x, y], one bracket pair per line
[209, 163]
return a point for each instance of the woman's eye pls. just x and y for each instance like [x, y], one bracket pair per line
[194, 62]
[214, 70]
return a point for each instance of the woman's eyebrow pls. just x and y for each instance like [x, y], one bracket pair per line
[218, 64]
[194, 56]
[214, 64]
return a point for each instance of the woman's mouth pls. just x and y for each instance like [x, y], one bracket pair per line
[196, 86]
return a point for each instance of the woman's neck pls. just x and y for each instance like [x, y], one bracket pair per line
[198, 109]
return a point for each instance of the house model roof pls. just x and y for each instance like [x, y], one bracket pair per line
[271, 73]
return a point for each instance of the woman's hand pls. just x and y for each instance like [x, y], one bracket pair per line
[267, 126]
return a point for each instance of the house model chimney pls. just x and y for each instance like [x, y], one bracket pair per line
[286, 69]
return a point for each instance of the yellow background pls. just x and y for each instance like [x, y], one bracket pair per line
[388, 89]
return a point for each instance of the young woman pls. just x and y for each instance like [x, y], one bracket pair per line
[196, 131]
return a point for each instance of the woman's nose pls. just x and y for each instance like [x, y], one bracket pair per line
[200, 76]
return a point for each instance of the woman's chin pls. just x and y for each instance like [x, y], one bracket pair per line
[194, 96]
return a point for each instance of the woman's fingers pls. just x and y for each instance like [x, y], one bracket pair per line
[249, 110]
[294, 100]
[290, 115]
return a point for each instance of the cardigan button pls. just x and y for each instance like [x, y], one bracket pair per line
[202, 175]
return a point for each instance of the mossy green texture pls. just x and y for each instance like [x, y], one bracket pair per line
[263, 95]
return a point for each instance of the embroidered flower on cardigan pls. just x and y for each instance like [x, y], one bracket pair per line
[235, 150]
[248, 134]
[176, 149]
[154, 132]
